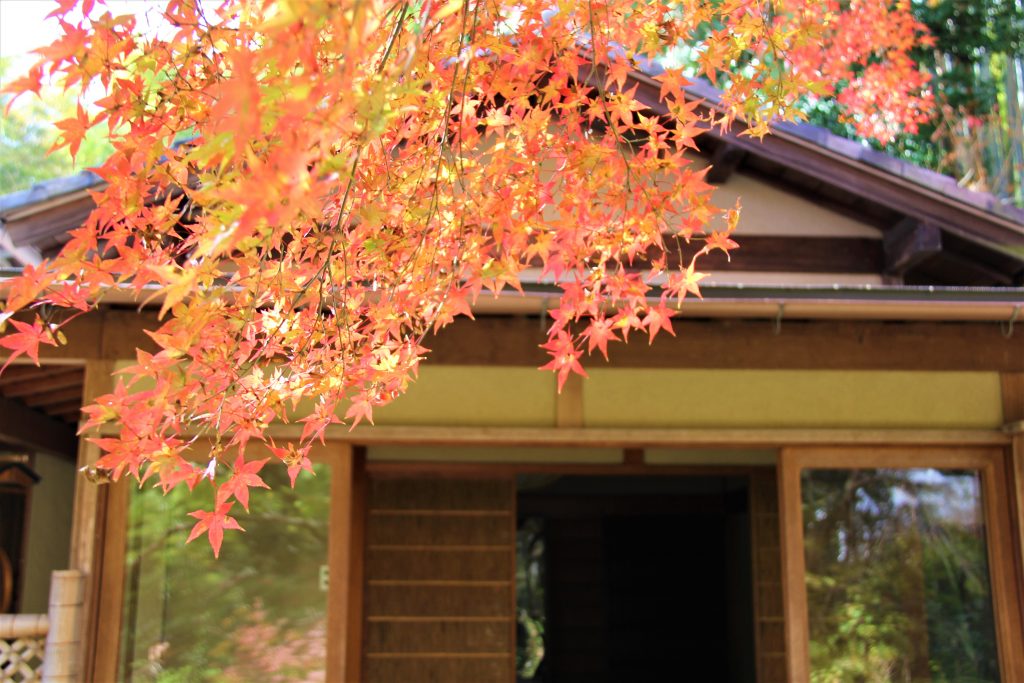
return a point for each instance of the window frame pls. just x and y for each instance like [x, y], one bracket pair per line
[344, 558]
[991, 465]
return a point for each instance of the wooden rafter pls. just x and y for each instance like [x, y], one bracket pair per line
[26, 428]
[67, 379]
[56, 399]
[910, 244]
[725, 159]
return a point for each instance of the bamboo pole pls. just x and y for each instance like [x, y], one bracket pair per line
[61, 659]
[14, 626]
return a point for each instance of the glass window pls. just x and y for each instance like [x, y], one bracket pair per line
[897, 576]
[259, 613]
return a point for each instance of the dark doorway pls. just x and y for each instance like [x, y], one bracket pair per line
[639, 579]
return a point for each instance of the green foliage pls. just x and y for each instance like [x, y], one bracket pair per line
[27, 133]
[897, 578]
[977, 135]
[257, 613]
[532, 616]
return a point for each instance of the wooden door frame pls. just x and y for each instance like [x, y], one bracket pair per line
[345, 654]
[991, 464]
[633, 464]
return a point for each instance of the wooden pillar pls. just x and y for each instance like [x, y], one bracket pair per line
[1013, 418]
[89, 517]
[569, 402]
[794, 590]
[346, 551]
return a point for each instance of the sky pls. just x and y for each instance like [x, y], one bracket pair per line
[23, 26]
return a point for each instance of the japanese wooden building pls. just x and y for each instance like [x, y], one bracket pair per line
[820, 477]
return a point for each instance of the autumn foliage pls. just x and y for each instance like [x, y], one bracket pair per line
[310, 187]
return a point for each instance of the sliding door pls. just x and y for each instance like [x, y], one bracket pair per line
[898, 566]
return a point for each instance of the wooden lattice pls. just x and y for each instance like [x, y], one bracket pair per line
[21, 659]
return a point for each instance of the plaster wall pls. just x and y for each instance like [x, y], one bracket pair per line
[49, 529]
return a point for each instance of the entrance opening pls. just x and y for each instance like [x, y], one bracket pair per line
[637, 579]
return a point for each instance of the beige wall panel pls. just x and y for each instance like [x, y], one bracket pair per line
[709, 456]
[768, 210]
[495, 454]
[784, 398]
[49, 528]
[474, 395]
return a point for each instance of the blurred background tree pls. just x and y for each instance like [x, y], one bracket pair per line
[27, 133]
[977, 63]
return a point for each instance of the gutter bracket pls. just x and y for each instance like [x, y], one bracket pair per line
[777, 323]
[1007, 327]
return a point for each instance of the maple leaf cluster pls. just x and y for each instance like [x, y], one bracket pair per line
[310, 187]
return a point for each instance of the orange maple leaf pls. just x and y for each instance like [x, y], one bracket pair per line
[245, 475]
[213, 524]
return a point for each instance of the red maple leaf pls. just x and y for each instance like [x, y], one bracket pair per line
[244, 477]
[213, 525]
[719, 240]
[658, 318]
[26, 340]
[598, 334]
[565, 357]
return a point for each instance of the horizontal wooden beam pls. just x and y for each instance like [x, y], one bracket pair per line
[22, 427]
[742, 344]
[640, 438]
[16, 374]
[798, 255]
[699, 343]
[57, 397]
[70, 378]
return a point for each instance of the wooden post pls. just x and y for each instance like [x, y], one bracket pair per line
[345, 550]
[62, 656]
[89, 516]
[794, 590]
[569, 403]
[1013, 417]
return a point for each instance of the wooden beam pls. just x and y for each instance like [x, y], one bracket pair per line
[1013, 416]
[19, 373]
[725, 159]
[106, 334]
[346, 546]
[715, 343]
[88, 520]
[794, 590]
[22, 427]
[569, 402]
[61, 398]
[69, 377]
[1012, 384]
[743, 344]
[770, 253]
[910, 244]
[1016, 489]
[63, 408]
[635, 437]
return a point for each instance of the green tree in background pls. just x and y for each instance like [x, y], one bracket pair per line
[27, 133]
[977, 62]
